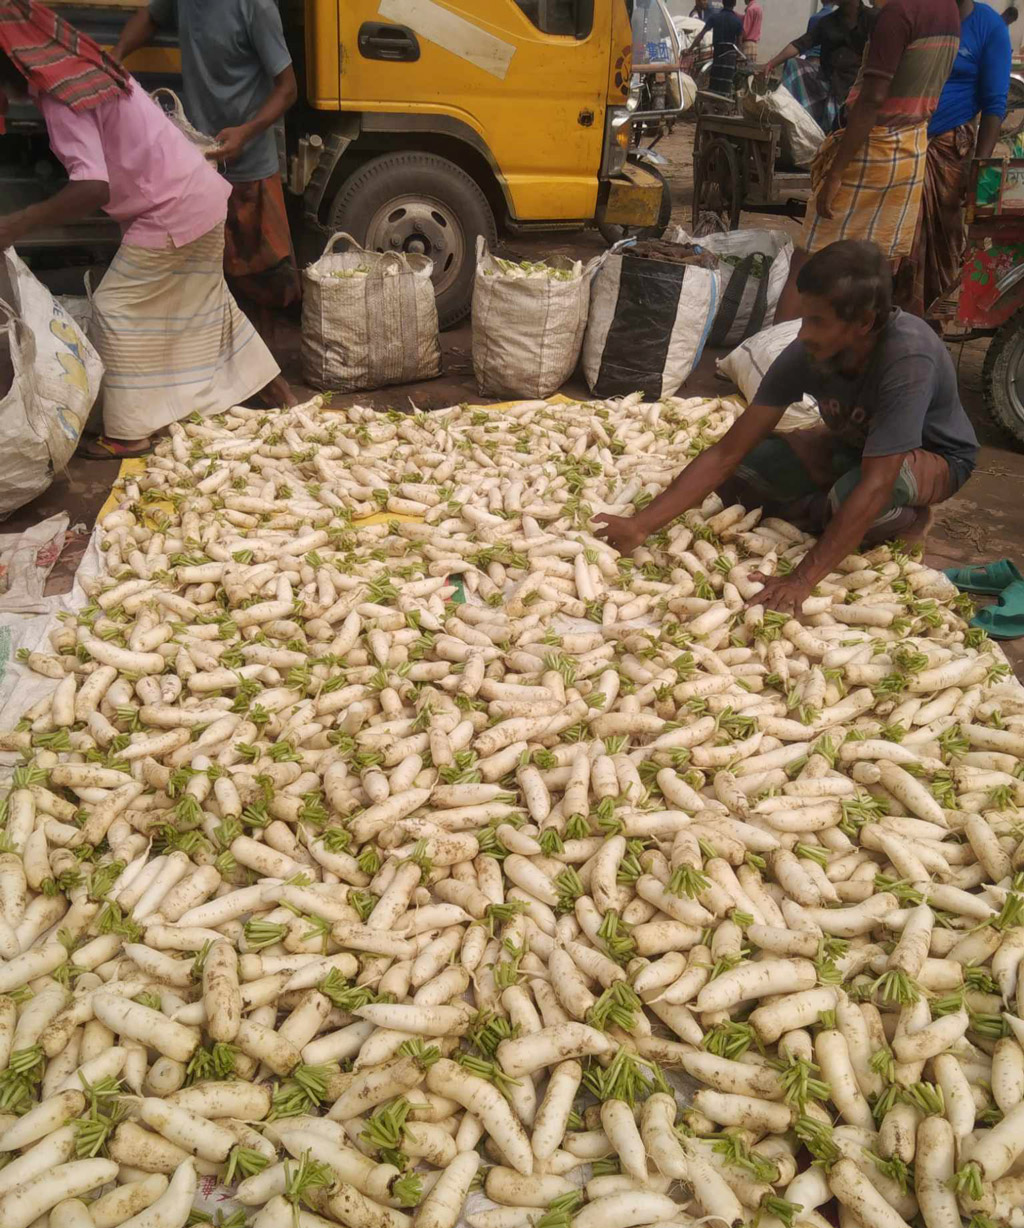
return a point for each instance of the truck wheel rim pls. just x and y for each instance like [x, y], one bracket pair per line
[422, 226]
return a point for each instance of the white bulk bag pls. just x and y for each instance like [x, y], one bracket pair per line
[51, 375]
[649, 323]
[747, 303]
[747, 366]
[528, 326]
[368, 319]
[802, 137]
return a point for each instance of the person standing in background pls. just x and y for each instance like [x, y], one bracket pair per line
[123, 155]
[726, 34]
[868, 177]
[840, 38]
[822, 12]
[238, 82]
[978, 84]
[753, 16]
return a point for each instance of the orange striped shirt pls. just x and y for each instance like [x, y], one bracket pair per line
[913, 46]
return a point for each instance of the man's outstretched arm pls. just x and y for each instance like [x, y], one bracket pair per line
[703, 475]
[844, 534]
[138, 32]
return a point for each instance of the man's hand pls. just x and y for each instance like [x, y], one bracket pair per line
[827, 194]
[622, 532]
[230, 143]
[786, 594]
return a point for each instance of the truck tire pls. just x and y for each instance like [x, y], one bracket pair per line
[1003, 377]
[419, 203]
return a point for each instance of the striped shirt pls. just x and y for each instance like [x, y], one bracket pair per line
[913, 46]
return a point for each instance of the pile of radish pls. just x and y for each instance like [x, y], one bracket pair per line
[399, 874]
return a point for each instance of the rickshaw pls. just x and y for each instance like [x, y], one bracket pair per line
[991, 292]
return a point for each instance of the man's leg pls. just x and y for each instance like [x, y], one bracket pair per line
[775, 477]
[924, 481]
[259, 263]
[278, 393]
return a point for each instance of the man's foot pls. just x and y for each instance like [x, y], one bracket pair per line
[922, 526]
[102, 447]
[278, 394]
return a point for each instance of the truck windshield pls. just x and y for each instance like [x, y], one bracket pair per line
[654, 36]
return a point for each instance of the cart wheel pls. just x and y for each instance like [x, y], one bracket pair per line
[718, 183]
[1003, 377]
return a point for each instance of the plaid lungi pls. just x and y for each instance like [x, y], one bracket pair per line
[881, 191]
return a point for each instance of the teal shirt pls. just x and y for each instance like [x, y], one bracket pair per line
[231, 51]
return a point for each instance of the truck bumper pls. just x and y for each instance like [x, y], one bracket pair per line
[633, 198]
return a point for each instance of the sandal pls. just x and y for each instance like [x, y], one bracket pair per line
[102, 448]
[991, 578]
[1005, 619]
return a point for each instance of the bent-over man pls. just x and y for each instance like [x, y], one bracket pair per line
[123, 155]
[894, 438]
[238, 81]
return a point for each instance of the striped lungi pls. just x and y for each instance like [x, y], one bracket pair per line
[881, 191]
[172, 339]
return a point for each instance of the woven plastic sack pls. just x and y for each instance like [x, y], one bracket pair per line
[49, 376]
[649, 323]
[368, 319]
[801, 135]
[528, 324]
[748, 302]
[747, 366]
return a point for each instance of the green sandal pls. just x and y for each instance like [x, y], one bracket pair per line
[991, 578]
[1005, 619]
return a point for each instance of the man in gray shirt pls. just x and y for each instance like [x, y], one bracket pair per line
[238, 82]
[894, 438]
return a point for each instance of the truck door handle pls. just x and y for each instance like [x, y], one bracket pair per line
[380, 41]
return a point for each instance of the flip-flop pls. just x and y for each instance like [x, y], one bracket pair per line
[1005, 619]
[102, 448]
[989, 578]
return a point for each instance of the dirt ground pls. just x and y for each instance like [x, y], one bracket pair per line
[985, 521]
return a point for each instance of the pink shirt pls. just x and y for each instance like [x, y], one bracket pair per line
[752, 18]
[161, 186]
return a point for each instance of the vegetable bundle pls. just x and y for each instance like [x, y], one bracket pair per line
[355, 898]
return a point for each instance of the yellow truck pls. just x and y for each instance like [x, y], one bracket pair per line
[425, 123]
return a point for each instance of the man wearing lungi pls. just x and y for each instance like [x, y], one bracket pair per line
[171, 337]
[868, 177]
[238, 82]
[894, 438]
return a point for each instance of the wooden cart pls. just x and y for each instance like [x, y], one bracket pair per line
[735, 170]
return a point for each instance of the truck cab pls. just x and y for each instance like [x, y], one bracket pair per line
[425, 123]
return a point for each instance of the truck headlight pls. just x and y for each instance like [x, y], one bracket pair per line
[617, 140]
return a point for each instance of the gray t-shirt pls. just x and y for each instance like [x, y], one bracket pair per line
[231, 51]
[905, 398]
